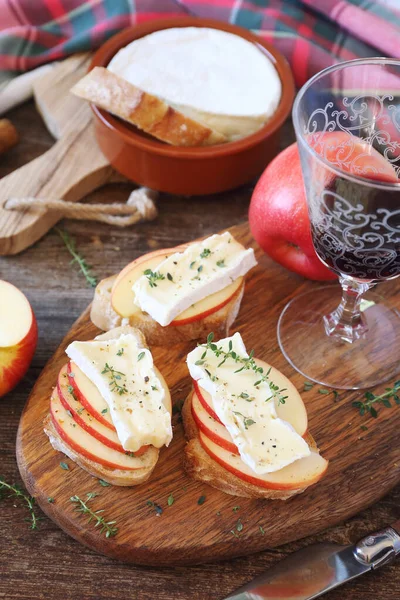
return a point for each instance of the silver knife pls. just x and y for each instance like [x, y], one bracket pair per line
[313, 571]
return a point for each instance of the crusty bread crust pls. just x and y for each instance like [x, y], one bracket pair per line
[104, 317]
[147, 112]
[112, 476]
[119, 477]
[200, 466]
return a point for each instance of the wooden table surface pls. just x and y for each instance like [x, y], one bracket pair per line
[46, 564]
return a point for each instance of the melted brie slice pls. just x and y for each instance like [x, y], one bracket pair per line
[190, 276]
[265, 442]
[123, 372]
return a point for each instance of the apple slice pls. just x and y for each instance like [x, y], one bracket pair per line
[84, 418]
[300, 474]
[84, 443]
[18, 336]
[122, 296]
[89, 396]
[293, 411]
[210, 427]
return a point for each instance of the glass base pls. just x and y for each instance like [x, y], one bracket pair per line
[364, 363]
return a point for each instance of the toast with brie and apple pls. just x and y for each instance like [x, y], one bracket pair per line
[111, 409]
[177, 294]
[246, 425]
[146, 111]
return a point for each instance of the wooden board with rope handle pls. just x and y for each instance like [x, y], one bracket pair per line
[68, 171]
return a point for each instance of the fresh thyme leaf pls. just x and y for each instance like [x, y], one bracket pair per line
[308, 385]
[323, 391]
[29, 501]
[201, 500]
[236, 508]
[141, 355]
[199, 270]
[221, 263]
[199, 362]
[169, 277]
[78, 258]
[371, 399]
[239, 525]
[120, 352]
[103, 412]
[170, 500]
[246, 420]
[205, 253]
[115, 377]
[50, 500]
[106, 527]
[247, 363]
[153, 276]
[64, 466]
[70, 389]
[192, 264]
[364, 428]
[104, 483]
[261, 530]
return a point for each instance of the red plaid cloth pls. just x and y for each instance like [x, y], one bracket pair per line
[312, 37]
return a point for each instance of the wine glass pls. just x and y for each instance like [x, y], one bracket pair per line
[347, 123]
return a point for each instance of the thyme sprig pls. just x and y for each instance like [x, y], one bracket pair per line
[383, 399]
[115, 377]
[70, 244]
[29, 501]
[153, 277]
[106, 527]
[247, 364]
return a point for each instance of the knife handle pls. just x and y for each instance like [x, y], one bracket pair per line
[380, 548]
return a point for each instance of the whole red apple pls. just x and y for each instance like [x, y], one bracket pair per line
[279, 219]
[18, 336]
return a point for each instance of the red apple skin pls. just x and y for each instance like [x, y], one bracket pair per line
[254, 480]
[15, 360]
[210, 434]
[279, 220]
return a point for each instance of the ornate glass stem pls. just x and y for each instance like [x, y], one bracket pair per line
[347, 321]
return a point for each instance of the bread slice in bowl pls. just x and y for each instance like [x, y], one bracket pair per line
[147, 112]
[97, 434]
[115, 301]
[246, 425]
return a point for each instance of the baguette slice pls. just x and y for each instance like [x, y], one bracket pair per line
[104, 317]
[119, 477]
[200, 466]
[149, 113]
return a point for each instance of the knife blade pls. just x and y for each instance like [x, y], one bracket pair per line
[311, 572]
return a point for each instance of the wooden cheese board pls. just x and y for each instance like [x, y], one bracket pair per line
[364, 464]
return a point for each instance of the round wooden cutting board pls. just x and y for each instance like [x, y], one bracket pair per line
[364, 463]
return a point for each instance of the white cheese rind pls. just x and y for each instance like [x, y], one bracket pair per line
[139, 414]
[215, 77]
[189, 278]
[265, 442]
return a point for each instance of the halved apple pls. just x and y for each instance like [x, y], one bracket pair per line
[300, 474]
[210, 427]
[84, 443]
[18, 336]
[122, 296]
[293, 411]
[84, 418]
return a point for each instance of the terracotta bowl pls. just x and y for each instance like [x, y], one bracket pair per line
[181, 170]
